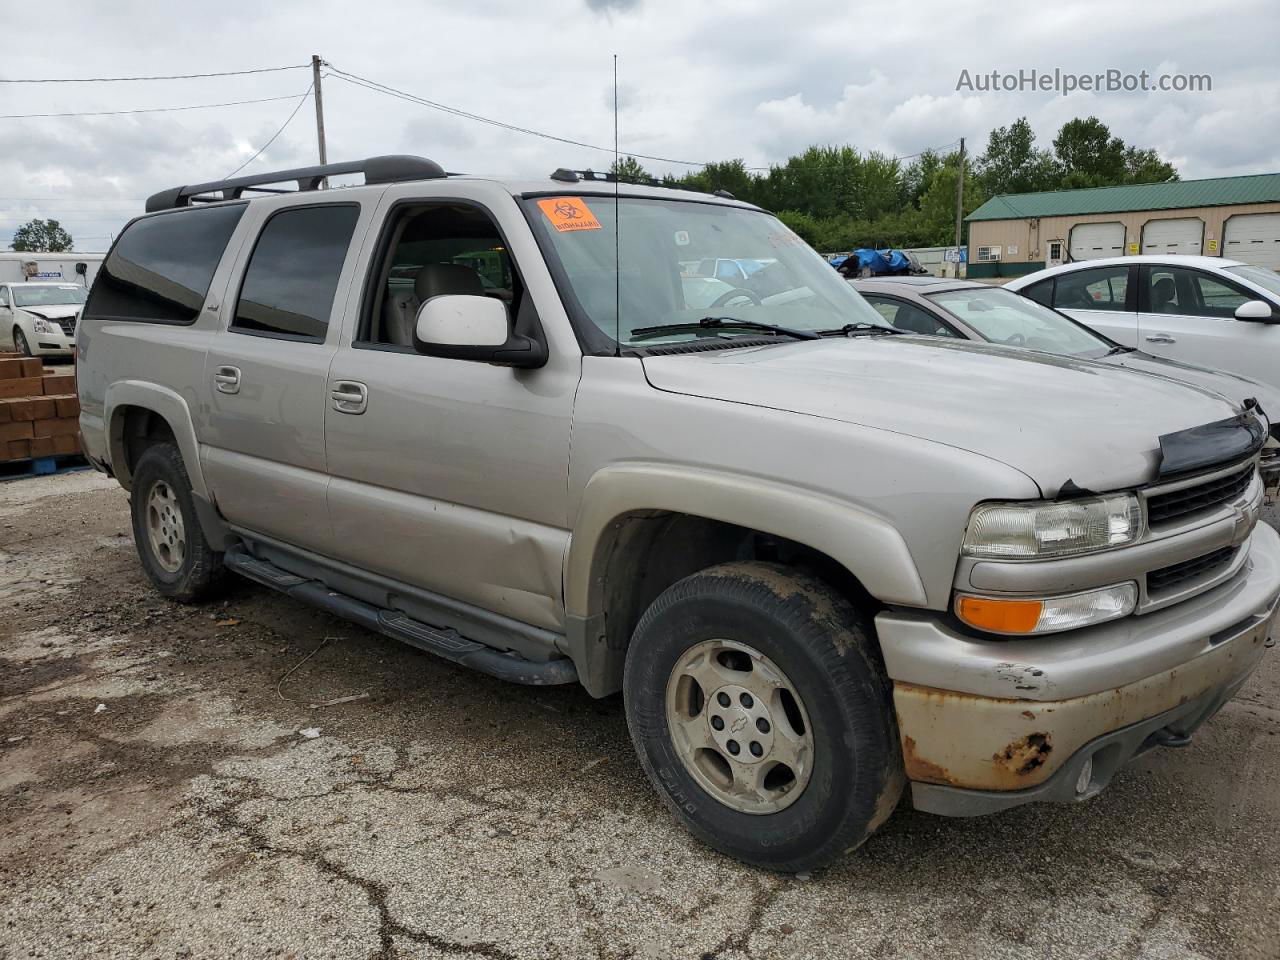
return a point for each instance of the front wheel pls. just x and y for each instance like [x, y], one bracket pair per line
[20, 342]
[762, 714]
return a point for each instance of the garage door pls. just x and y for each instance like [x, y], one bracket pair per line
[1092, 240]
[1182, 235]
[1253, 238]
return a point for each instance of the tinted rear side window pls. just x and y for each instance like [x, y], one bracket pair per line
[1041, 292]
[160, 269]
[293, 273]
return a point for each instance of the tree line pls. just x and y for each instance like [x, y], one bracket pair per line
[838, 198]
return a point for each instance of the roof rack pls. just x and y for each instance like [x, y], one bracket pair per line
[565, 175]
[385, 169]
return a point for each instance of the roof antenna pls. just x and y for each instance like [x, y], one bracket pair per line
[617, 222]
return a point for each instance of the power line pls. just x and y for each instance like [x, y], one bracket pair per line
[297, 107]
[514, 128]
[114, 113]
[175, 76]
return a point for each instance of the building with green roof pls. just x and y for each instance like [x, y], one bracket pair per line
[1234, 217]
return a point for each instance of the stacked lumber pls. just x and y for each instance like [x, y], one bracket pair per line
[39, 410]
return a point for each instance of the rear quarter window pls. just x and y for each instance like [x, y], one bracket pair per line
[160, 269]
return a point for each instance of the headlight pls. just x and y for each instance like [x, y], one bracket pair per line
[41, 326]
[1020, 616]
[1011, 531]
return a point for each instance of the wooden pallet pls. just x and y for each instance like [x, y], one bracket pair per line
[42, 466]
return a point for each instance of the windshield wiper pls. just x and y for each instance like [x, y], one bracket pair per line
[860, 328]
[721, 323]
[1119, 348]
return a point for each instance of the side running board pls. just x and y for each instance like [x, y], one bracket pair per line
[442, 641]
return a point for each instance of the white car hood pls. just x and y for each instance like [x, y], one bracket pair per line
[1053, 418]
[53, 311]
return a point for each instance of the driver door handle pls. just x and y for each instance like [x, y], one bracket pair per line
[1161, 338]
[350, 396]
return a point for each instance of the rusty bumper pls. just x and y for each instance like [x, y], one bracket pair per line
[992, 724]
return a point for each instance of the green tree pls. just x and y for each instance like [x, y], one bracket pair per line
[42, 236]
[938, 204]
[1088, 154]
[1013, 164]
[1146, 166]
[629, 169]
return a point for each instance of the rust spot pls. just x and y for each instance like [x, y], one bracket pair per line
[1024, 755]
[918, 768]
[1028, 714]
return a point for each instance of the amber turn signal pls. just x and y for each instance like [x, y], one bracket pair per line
[1000, 616]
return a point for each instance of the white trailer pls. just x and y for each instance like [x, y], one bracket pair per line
[66, 267]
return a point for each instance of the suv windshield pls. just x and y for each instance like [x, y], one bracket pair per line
[674, 258]
[1002, 316]
[42, 296]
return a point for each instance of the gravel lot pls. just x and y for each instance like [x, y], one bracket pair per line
[163, 795]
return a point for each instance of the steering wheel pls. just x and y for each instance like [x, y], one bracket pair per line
[736, 297]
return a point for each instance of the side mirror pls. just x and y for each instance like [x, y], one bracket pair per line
[1256, 310]
[468, 327]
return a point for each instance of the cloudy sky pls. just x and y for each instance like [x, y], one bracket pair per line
[698, 80]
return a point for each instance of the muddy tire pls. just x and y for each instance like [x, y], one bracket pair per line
[166, 530]
[761, 712]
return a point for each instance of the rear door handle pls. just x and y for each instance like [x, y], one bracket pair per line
[350, 396]
[1161, 338]
[227, 379]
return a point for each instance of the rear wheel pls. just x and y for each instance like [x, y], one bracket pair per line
[20, 342]
[174, 552]
[762, 714]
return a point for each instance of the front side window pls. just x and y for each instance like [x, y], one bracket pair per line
[1218, 299]
[1102, 288]
[292, 277]
[39, 295]
[633, 285]
[1192, 293]
[908, 317]
[1267, 279]
[439, 249]
[161, 267]
[1002, 316]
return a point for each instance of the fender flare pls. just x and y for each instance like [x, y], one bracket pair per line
[163, 402]
[865, 544]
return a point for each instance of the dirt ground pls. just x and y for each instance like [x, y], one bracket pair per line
[163, 795]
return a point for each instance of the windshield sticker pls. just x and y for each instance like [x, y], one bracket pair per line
[569, 213]
[682, 238]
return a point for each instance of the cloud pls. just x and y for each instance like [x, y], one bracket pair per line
[612, 6]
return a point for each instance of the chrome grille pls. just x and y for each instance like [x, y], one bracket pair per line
[68, 325]
[1178, 573]
[1164, 507]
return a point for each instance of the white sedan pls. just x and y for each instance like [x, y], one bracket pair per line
[1211, 311]
[41, 317]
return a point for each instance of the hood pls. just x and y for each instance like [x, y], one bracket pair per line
[1234, 387]
[53, 311]
[1054, 418]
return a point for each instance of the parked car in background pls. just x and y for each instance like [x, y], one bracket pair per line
[980, 311]
[1219, 313]
[41, 317]
[819, 559]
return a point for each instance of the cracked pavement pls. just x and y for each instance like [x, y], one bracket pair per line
[162, 795]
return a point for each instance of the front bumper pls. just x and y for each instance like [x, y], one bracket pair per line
[988, 724]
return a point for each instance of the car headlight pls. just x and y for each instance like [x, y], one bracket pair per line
[41, 326]
[1021, 616]
[1043, 529]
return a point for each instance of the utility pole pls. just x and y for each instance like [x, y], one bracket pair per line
[959, 201]
[316, 63]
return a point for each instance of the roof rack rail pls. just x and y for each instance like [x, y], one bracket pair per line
[565, 175]
[386, 169]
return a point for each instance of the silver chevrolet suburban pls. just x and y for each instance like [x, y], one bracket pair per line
[822, 560]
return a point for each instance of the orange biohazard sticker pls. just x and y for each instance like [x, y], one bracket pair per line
[569, 213]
